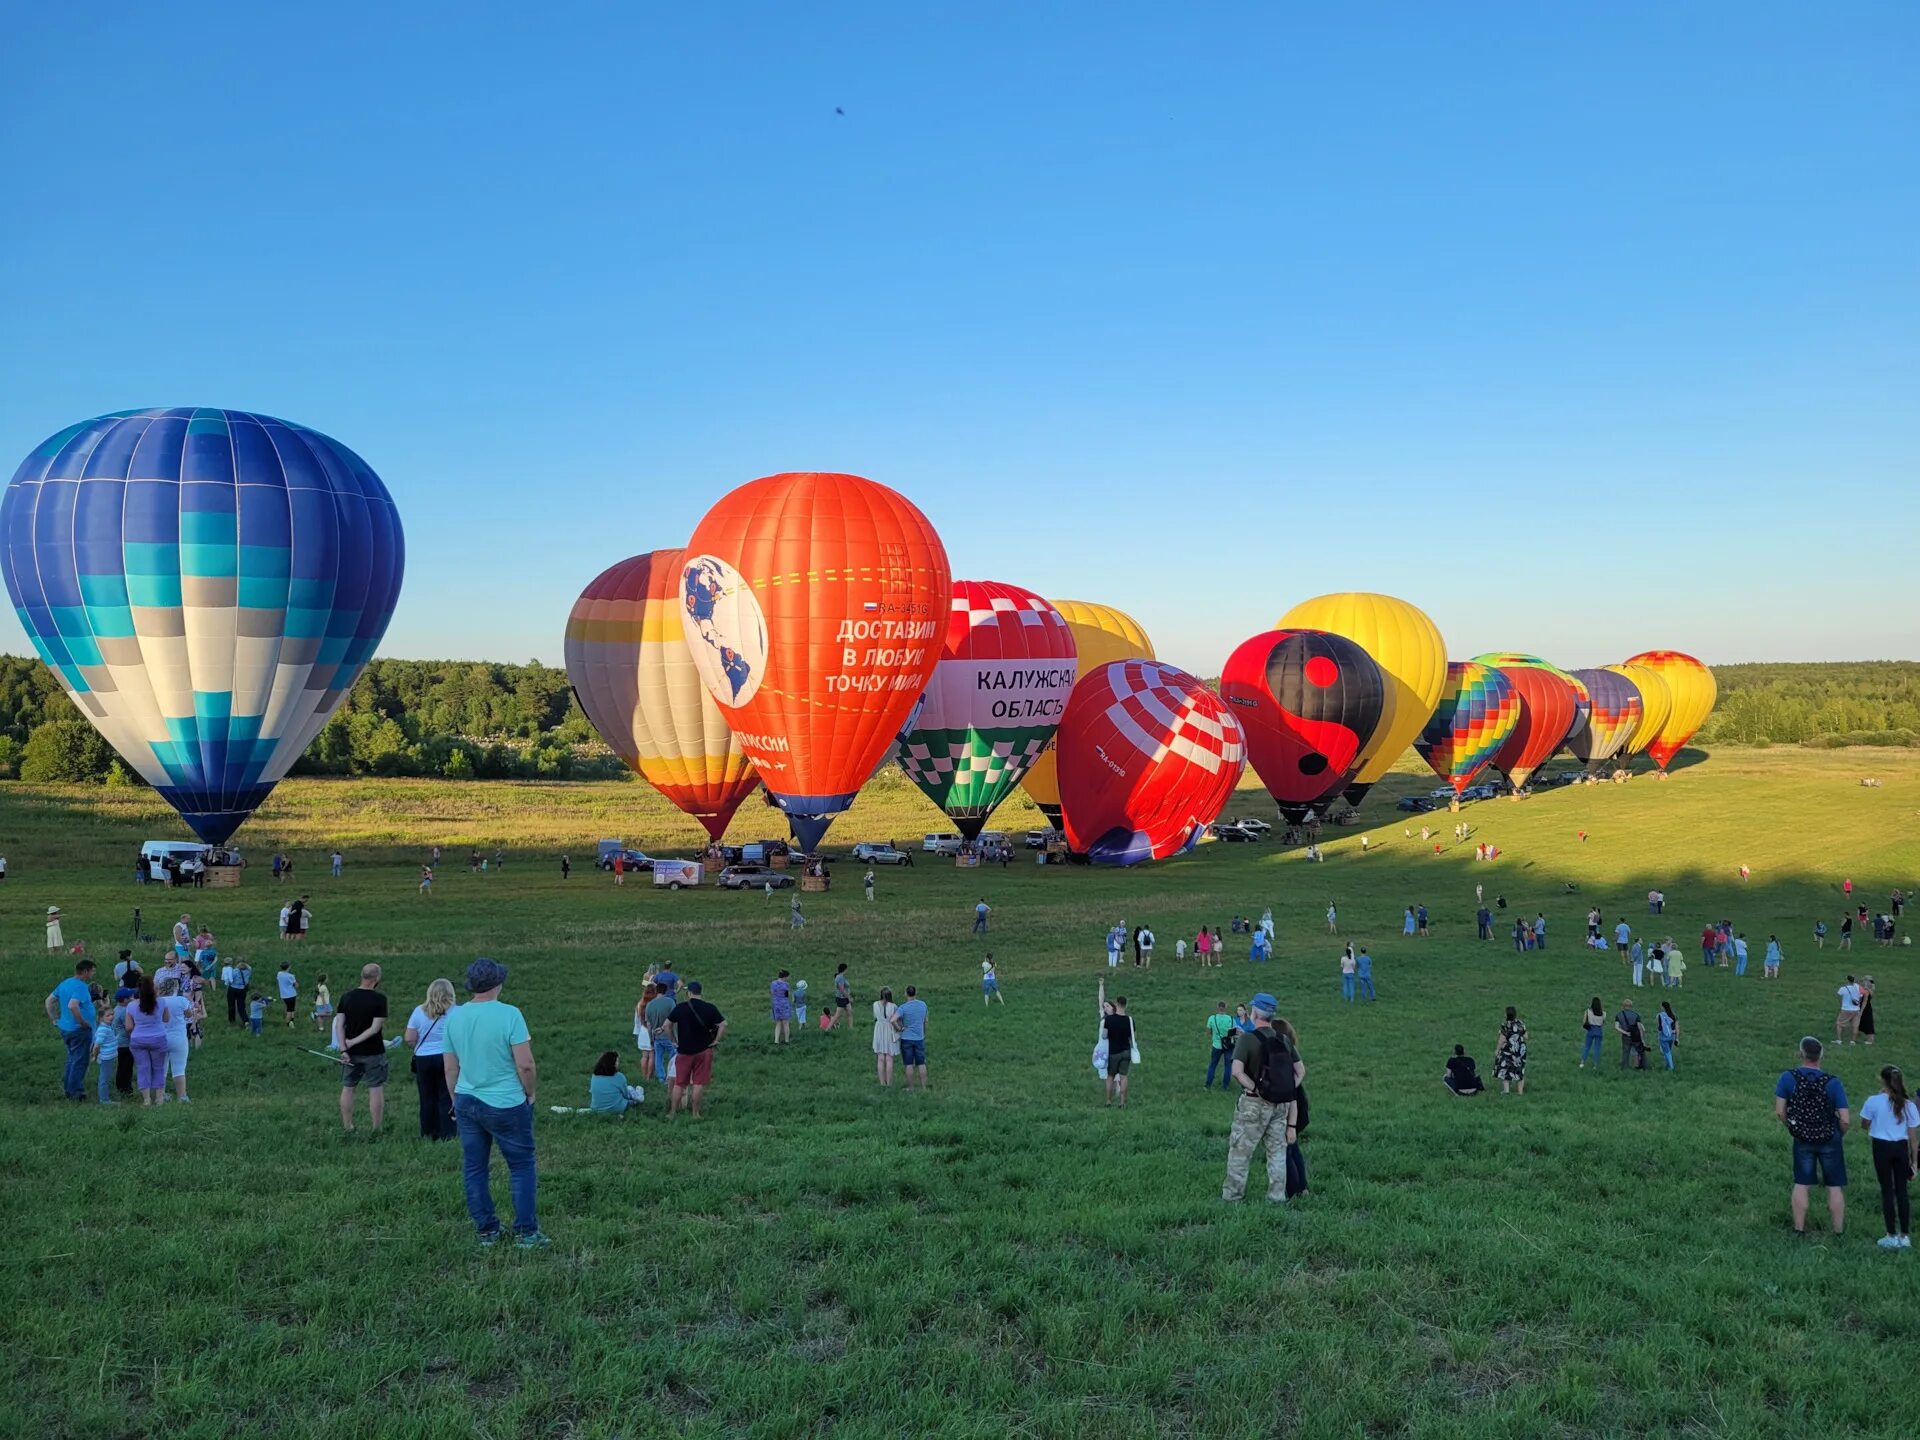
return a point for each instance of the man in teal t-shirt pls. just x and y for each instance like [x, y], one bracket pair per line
[490, 1070]
[70, 1008]
[1220, 1029]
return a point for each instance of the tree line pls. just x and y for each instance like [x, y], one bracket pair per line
[476, 720]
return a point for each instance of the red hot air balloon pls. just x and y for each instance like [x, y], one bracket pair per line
[1549, 704]
[815, 606]
[1307, 700]
[1148, 759]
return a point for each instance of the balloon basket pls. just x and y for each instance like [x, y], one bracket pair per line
[779, 861]
[223, 877]
[969, 861]
[813, 884]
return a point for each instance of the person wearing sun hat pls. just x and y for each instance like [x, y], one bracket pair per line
[55, 940]
[1269, 1075]
[490, 1070]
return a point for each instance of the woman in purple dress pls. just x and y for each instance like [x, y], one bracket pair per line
[782, 992]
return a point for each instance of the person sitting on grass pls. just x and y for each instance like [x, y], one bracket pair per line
[607, 1090]
[1461, 1076]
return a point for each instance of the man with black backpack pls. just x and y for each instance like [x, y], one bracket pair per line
[1813, 1106]
[1269, 1075]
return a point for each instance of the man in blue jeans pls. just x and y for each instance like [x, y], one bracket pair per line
[913, 1038]
[70, 1008]
[1813, 1106]
[490, 1071]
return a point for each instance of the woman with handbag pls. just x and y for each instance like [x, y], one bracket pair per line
[427, 1038]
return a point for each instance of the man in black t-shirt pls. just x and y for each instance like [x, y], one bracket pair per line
[1119, 1028]
[1461, 1076]
[363, 1024]
[696, 1025]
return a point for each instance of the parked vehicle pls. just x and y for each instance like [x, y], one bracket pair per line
[754, 877]
[678, 874]
[1419, 804]
[1040, 839]
[636, 859]
[948, 844]
[1257, 827]
[1480, 792]
[879, 854]
[993, 840]
[1231, 831]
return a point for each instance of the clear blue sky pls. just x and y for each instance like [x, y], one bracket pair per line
[1589, 328]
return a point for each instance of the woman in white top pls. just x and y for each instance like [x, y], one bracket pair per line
[427, 1038]
[886, 1035]
[1893, 1121]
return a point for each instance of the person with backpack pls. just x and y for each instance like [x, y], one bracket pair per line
[1813, 1106]
[1269, 1074]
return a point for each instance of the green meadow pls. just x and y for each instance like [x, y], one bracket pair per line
[1606, 1256]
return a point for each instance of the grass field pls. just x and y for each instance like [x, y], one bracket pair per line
[1607, 1255]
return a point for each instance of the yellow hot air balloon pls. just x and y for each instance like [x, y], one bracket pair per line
[638, 685]
[1694, 692]
[1101, 635]
[1412, 657]
[1656, 703]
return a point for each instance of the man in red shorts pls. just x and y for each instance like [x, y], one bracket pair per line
[696, 1026]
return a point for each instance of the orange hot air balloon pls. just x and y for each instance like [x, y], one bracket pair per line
[1101, 635]
[1694, 691]
[1656, 703]
[813, 606]
[636, 682]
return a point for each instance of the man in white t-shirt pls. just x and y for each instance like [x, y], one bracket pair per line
[1847, 1022]
[1146, 948]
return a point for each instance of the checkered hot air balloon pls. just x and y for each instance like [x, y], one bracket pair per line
[207, 585]
[992, 703]
[1614, 714]
[1148, 758]
[632, 674]
[1478, 711]
[1306, 701]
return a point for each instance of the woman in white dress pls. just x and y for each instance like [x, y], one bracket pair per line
[886, 1035]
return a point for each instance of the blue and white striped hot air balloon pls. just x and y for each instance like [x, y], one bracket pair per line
[207, 584]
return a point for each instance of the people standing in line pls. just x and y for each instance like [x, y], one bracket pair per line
[426, 1037]
[1633, 1047]
[105, 1049]
[886, 1035]
[1363, 973]
[147, 1021]
[1268, 1074]
[1348, 967]
[1892, 1120]
[657, 1011]
[1669, 1031]
[71, 1009]
[1461, 1074]
[1510, 1056]
[643, 1032]
[913, 1038]
[363, 1023]
[491, 1071]
[1592, 1026]
[780, 993]
[1118, 1025]
[1812, 1105]
[698, 1027]
[1220, 1033]
[1863, 1027]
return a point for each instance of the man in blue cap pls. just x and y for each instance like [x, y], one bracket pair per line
[1269, 1075]
[490, 1070]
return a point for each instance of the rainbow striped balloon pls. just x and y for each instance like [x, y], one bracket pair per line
[1478, 710]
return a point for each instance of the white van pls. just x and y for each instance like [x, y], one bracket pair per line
[941, 844]
[155, 853]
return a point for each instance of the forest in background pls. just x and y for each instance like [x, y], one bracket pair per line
[465, 720]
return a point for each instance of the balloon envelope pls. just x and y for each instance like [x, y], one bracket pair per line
[1148, 758]
[1305, 700]
[1693, 689]
[1412, 658]
[1101, 635]
[1614, 714]
[993, 701]
[636, 681]
[1478, 711]
[207, 585]
[814, 606]
[1656, 703]
[1548, 705]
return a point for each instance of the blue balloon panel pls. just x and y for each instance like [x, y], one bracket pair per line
[207, 584]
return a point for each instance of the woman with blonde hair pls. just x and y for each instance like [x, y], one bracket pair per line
[427, 1038]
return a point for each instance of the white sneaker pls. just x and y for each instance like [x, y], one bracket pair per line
[1889, 1242]
[1906, 1242]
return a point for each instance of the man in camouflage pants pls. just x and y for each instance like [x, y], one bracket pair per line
[1257, 1120]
